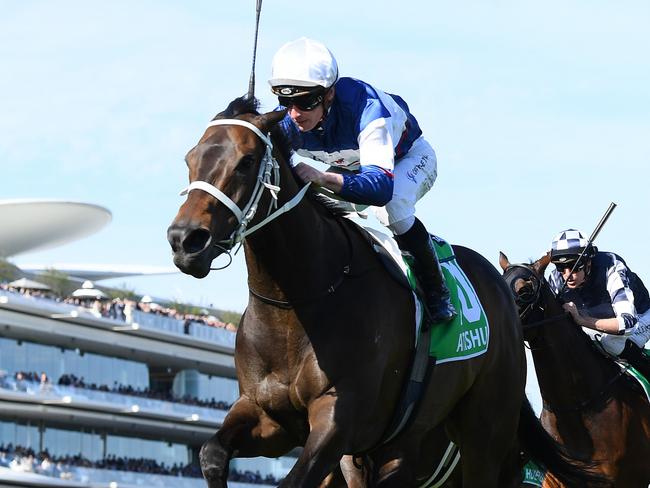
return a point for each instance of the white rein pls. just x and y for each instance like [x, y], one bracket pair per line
[268, 177]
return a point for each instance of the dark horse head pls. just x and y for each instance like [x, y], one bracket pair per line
[587, 402]
[223, 171]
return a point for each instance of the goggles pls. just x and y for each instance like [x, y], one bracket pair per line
[561, 267]
[300, 97]
[304, 102]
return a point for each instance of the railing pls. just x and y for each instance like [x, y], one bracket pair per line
[146, 320]
[116, 401]
[78, 477]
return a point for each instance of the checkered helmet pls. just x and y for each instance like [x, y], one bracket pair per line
[568, 245]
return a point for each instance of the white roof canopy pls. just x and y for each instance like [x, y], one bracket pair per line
[30, 225]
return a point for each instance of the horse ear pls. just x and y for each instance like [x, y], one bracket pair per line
[503, 261]
[268, 120]
[540, 265]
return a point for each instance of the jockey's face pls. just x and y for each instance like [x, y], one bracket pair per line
[575, 279]
[306, 120]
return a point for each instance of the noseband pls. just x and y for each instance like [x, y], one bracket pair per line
[268, 177]
[528, 301]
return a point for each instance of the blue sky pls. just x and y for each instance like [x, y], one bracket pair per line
[539, 114]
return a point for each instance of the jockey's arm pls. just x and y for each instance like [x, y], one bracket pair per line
[622, 300]
[372, 183]
[331, 181]
[608, 326]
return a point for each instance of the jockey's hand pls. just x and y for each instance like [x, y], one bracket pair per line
[573, 311]
[331, 181]
[308, 173]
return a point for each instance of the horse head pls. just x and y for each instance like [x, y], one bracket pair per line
[229, 169]
[526, 282]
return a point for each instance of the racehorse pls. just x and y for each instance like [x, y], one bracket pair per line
[324, 345]
[589, 404]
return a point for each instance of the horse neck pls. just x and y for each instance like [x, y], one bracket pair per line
[569, 370]
[303, 246]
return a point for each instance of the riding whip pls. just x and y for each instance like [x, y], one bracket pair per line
[251, 81]
[592, 238]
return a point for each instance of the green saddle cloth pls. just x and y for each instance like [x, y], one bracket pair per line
[468, 335]
[533, 474]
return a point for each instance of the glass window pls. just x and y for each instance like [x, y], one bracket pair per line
[204, 387]
[55, 362]
[61, 442]
[161, 452]
[25, 435]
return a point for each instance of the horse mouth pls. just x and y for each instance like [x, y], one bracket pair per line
[193, 249]
[197, 265]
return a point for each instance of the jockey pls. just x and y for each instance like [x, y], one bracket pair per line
[604, 295]
[374, 147]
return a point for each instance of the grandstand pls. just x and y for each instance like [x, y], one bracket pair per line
[112, 393]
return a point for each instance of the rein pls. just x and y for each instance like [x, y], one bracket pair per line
[546, 321]
[268, 178]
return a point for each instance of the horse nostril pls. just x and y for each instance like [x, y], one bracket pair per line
[195, 241]
[174, 236]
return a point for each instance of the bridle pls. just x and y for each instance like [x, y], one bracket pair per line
[527, 302]
[268, 178]
[530, 302]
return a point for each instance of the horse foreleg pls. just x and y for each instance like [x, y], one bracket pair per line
[346, 475]
[354, 474]
[323, 449]
[247, 431]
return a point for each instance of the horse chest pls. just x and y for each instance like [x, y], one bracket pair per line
[290, 389]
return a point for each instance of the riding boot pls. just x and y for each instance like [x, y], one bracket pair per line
[634, 355]
[417, 242]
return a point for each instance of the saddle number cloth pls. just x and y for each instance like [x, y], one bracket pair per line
[533, 474]
[468, 335]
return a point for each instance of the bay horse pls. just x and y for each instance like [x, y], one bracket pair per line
[589, 405]
[324, 345]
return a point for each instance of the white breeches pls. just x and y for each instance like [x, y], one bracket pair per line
[414, 176]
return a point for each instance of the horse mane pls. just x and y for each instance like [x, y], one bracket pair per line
[250, 105]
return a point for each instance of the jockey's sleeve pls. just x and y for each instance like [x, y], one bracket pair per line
[618, 287]
[371, 185]
[376, 145]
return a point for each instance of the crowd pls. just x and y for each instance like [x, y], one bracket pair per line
[122, 308]
[21, 377]
[25, 459]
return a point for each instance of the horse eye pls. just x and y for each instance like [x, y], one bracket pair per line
[245, 164]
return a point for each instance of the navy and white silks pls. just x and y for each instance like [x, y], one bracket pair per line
[611, 290]
[373, 140]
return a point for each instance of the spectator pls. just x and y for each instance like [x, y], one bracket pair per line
[45, 384]
[20, 384]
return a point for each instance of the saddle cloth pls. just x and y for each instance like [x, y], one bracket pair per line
[466, 336]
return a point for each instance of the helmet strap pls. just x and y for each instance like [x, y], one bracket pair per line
[326, 105]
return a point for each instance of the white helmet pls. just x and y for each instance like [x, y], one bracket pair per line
[302, 63]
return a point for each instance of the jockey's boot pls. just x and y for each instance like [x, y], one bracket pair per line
[417, 242]
[634, 355]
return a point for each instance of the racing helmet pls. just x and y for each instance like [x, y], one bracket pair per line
[303, 67]
[567, 247]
